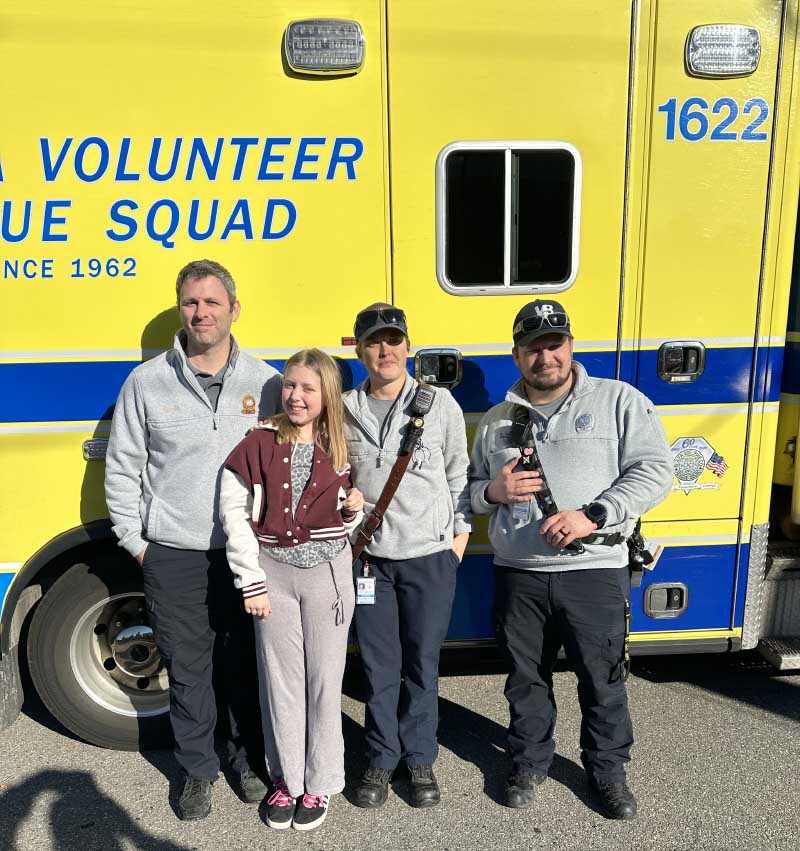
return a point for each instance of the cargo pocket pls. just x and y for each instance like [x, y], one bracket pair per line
[613, 653]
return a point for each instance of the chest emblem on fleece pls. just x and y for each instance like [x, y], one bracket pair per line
[248, 404]
[584, 422]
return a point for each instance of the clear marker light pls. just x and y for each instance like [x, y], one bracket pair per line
[723, 50]
[324, 46]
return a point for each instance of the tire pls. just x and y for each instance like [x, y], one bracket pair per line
[93, 660]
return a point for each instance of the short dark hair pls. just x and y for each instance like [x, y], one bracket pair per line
[202, 269]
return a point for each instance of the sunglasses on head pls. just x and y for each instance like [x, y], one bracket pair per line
[382, 316]
[534, 323]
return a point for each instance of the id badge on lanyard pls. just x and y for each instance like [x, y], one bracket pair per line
[365, 588]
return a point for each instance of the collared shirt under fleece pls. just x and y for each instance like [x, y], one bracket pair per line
[431, 505]
[256, 505]
[168, 445]
[605, 444]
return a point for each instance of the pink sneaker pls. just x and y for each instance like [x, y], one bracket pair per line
[310, 812]
[280, 807]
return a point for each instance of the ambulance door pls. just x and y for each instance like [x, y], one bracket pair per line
[508, 129]
[706, 182]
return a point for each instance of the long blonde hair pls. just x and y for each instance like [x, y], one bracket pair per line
[329, 425]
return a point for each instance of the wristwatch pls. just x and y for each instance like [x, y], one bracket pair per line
[597, 513]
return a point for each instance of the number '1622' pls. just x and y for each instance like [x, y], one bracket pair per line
[693, 120]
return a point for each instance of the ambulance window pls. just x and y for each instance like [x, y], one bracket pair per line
[475, 217]
[541, 231]
[507, 217]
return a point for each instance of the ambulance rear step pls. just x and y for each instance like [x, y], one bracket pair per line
[780, 642]
[783, 653]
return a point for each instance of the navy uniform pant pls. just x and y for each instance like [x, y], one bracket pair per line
[399, 638]
[583, 610]
[206, 641]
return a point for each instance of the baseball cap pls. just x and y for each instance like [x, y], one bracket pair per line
[540, 317]
[376, 317]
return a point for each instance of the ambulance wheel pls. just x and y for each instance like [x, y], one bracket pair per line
[94, 662]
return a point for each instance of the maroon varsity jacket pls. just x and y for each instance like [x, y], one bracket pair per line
[265, 467]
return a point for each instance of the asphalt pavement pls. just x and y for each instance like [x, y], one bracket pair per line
[716, 766]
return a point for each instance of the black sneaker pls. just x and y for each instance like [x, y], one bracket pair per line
[195, 800]
[310, 812]
[373, 790]
[616, 799]
[424, 788]
[280, 807]
[521, 786]
[251, 787]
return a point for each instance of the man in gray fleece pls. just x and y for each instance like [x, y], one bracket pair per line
[177, 419]
[606, 459]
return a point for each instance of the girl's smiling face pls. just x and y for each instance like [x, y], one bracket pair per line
[302, 395]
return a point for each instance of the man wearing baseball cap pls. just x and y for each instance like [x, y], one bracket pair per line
[606, 461]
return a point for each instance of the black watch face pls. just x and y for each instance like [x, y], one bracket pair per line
[597, 514]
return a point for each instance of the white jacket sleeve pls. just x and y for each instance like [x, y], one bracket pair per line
[235, 510]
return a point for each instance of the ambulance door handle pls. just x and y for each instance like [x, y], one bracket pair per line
[681, 361]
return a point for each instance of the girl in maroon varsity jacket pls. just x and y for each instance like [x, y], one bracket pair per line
[288, 505]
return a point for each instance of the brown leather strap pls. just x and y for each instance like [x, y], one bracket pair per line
[375, 516]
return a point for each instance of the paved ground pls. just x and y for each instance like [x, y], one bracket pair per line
[715, 767]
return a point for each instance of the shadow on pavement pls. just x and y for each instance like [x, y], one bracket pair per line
[80, 815]
[744, 677]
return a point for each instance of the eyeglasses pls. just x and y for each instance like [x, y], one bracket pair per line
[534, 323]
[384, 316]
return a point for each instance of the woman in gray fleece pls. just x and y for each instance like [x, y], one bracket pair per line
[412, 560]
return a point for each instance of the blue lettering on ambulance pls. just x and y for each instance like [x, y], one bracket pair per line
[31, 268]
[50, 168]
[693, 124]
[304, 157]
[347, 160]
[240, 208]
[8, 236]
[50, 219]
[268, 157]
[102, 166]
[152, 167]
[119, 218]
[122, 162]
[242, 143]
[291, 212]
[163, 236]
[212, 220]
[199, 150]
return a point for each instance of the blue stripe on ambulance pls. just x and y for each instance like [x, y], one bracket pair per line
[87, 390]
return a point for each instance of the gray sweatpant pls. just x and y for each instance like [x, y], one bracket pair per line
[301, 651]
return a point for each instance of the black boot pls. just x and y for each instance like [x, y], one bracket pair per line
[195, 800]
[616, 799]
[251, 788]
[521, 786]
[424, 788]
[373, 790]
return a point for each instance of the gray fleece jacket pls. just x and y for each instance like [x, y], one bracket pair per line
[431, 504]
[605, 444]
[168, 445]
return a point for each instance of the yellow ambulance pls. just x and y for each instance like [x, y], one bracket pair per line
[637, 159]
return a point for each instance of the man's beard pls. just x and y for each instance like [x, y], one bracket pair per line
[550, 380]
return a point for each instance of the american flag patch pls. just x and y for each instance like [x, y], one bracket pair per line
[716, 463]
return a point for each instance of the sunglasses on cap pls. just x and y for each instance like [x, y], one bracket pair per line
[558, 321]
[381, 317]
